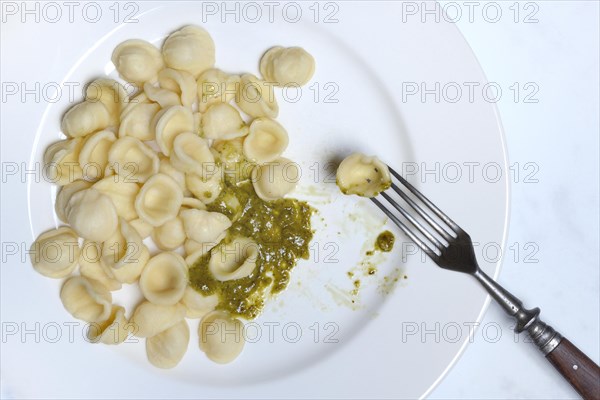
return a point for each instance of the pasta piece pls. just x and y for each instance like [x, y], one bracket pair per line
[256, 97]
[85, 118]
[135, 101]
[136, 122]
[287, 66]
[197, 305]
[197, 122]
[206, 186]
[124, 254]
[93, 156]
[266, 141]
[159, 200]
[133, 160]
[143, 228]
[223, 121]
[167, 168]
[196, 250]
[234, 260]
[191, 153]
[169, 235]
[151, 319]
[114, 330]
[180, 82]
[92, 215]
[274, 180]
[110, 93]
[204, 226]
[169, 123]
[122, 194]
[363, 175]
[86, 300]
[137, 61]
[61, 161]
[91, 267]
[55, 252]
[164, 279]
[221, 337]
[189, 49]
[236, 168]
[164, 97]
[216, 86]
[65, 193]
[192, 202]
[166, 349]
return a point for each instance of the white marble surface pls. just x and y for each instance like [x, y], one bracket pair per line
[559, 213]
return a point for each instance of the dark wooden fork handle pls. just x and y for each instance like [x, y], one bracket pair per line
[581, 372]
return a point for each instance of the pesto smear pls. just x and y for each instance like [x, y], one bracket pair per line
[282, 232]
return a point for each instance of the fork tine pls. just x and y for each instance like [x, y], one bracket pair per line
[414, 222]
[427, 202]
[438, 228]
[433, 255]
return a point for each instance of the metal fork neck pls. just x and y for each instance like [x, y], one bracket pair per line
[543, 335]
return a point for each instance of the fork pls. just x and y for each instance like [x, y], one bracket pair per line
[451, 248]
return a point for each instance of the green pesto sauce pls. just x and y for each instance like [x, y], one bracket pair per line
[282, 232]
[385, 241]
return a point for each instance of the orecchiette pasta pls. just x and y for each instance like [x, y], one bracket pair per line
[93, 156]
[180, 82]
[143, 228]
[153, 165]
[363, 175]
[62, 161]
[221, 337]
[207, 185]
[85, 118]
[165, 98]
[136, 122]
[191, 153]
[121, 193]
[216, 86]
[169, 123]
[196, 304]
[195, 250]
[135, 101]
[159, 200]
[110, 93]
[112, 331]
[92, 215]
[164, 279]
[189, 49]
[124, 254]
[65, 193]
[150, 319]
[166, 349]
[137, 61]
[274, 180]
[286, 66]
[222, 121]
[256, 97]
[192, 202]
[132, 159]
[90, 266]
[266, 141]
[55, 253]
[169, 235]
[234, 260]
[204, 226]
[86, 300]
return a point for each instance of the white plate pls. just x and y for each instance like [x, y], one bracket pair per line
[314, 341]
